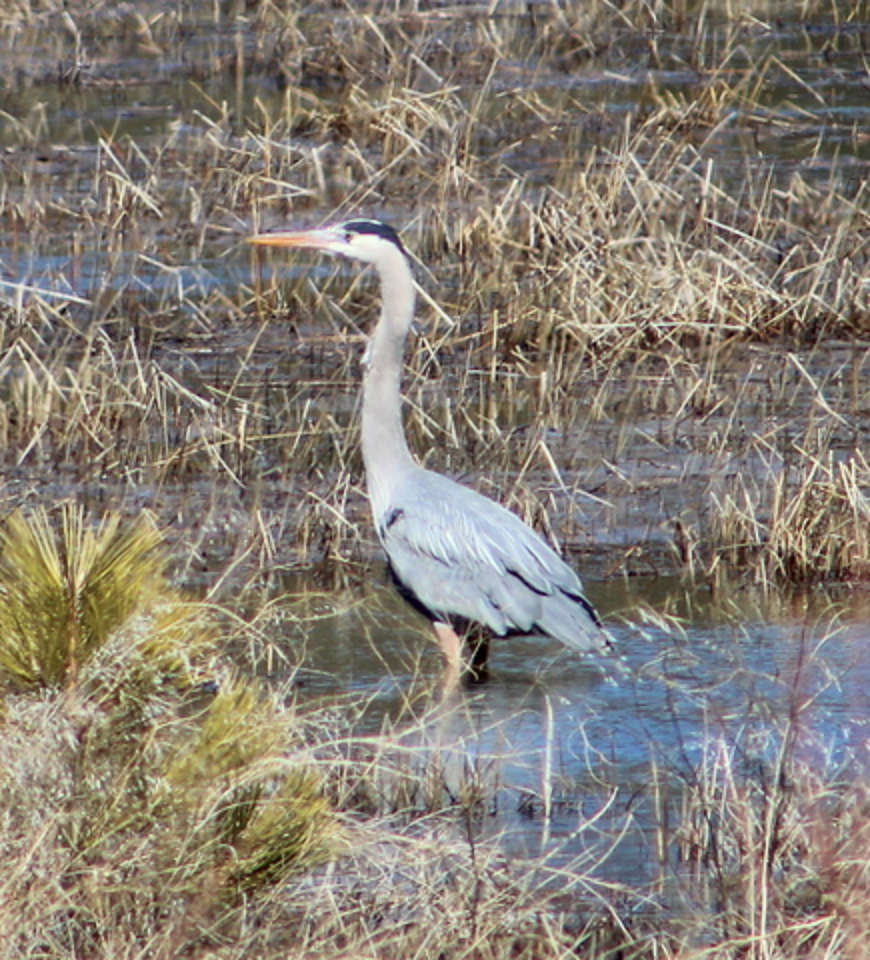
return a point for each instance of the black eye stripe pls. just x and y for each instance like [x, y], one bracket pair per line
[373, 227]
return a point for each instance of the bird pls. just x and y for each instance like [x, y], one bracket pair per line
[462, 558]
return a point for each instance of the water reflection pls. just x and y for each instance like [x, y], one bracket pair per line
[550, 731]
[565, 750]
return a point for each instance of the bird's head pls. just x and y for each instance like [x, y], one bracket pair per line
[366, 240]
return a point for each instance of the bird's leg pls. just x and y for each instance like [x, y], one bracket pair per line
[477, 654]
[451, 647]
[474, 644]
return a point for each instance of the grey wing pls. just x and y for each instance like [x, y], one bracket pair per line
[461, 554]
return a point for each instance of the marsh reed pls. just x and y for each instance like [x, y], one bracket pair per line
[650, 302]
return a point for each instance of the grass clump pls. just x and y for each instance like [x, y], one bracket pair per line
[806, 522]
[145, 801]
[824, 528]
[776, 856]
[140, 838]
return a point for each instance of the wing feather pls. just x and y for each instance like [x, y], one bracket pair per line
[462, 554]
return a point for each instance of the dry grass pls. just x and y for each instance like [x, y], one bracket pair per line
[146, 815]
[652, 304]
[598, 268]
[779, 854]
[144, 794]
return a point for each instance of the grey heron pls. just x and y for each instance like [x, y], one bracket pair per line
[459, 555]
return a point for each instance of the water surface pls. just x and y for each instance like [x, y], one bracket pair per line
[92, 120]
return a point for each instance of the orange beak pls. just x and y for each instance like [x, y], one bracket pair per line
[314, 239]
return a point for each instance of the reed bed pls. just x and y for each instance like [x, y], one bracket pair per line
[657, 310]
[156, 804]
[635, 280]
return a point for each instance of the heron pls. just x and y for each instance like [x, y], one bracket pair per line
[462, 558]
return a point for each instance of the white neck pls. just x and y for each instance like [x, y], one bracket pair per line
[385, 449]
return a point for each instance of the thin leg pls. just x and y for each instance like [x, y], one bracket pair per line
[466, 657]
[451, 647]
[477, 657]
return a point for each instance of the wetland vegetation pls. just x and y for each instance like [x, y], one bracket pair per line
[642, 232]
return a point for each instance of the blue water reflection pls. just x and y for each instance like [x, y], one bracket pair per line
[721, 683]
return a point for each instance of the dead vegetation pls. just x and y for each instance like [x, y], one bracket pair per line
[137, 782]
[642, 234]
[585, 267]
[156, 805]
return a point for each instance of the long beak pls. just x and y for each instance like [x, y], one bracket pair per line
[315, 239]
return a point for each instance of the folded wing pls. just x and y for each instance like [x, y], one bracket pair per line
[461, 554]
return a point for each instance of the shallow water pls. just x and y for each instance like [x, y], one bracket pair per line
[727, 675]
[568, 750]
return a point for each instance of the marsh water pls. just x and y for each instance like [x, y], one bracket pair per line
[569, 753]
[710, 673]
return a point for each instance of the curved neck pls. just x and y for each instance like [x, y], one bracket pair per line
[385, 449]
